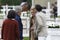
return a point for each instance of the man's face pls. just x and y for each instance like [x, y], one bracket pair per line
[19, 13]
[33, 11]
[24, 7]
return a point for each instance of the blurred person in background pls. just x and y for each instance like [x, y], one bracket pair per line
[18, 19]
[40, 22]
[10, 29]
[55, 10]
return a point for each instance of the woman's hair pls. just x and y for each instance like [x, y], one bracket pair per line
[11, 14]
[38, 7]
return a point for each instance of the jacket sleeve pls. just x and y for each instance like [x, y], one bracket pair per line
[17, 32]
[19, 23]
[39, 23]
[2, 31]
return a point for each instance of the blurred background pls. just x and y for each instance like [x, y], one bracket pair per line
[51, 10]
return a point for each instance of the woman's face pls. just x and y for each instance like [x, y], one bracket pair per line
[33, 11]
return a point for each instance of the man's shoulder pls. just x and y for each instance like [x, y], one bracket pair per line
[17, 16]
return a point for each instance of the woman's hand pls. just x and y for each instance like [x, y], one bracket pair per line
[32, 28]
[1, 39]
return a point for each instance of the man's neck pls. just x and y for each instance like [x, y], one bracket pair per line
[25, 10]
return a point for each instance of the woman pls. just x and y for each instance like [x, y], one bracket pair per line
[41, 29]
[10, 29]
[32, 24]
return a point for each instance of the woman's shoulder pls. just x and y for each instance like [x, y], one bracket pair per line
[15, 21]
[10, 20]
[5, 20]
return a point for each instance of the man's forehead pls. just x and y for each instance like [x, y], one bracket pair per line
[23, 3]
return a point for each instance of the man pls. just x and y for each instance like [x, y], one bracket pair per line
[55, 10]
[40, 23]
[25, 9]
[18, 19]
[25, 6]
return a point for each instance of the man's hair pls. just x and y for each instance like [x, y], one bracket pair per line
[18, 8]
[11, 14]
[26, 4]
[38, 7]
